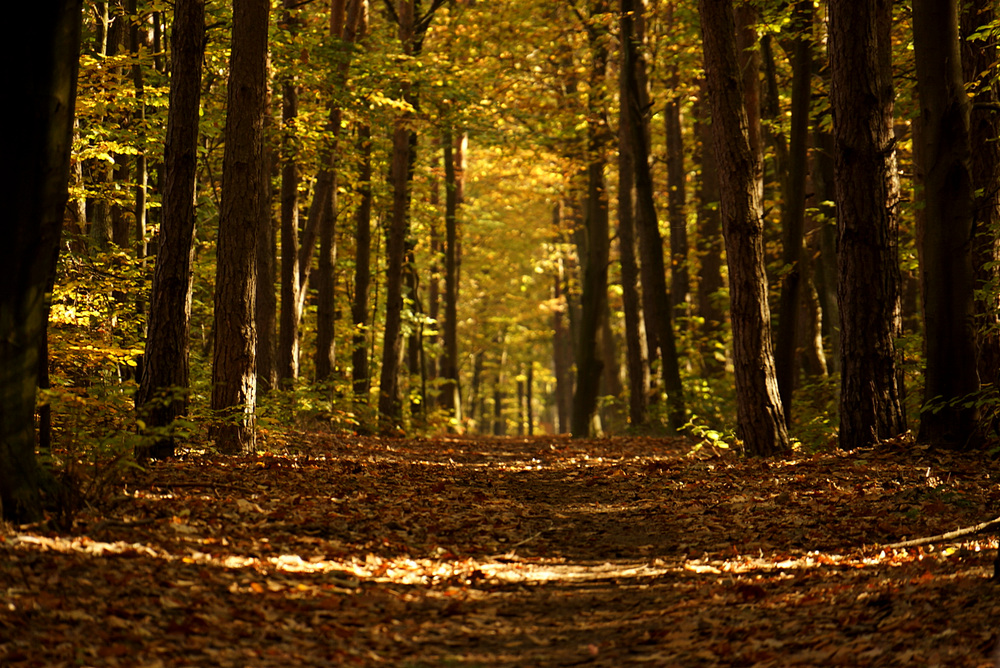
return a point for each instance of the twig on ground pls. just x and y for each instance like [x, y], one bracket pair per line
[957, 533]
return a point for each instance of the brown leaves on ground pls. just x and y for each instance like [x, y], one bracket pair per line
[515, 552]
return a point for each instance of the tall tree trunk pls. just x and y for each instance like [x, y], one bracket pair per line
[362, 268]
[794, 210]
[35, 189]
[589, 362]
[162, 394]
[978, 57]
[291, 279]
[871, 392]
[635, 336]
[710, 246]
[654, 283]
[951, 378]
[234, 369]
[454, 169]
[266, 307]
[562, 358]
[760, 421]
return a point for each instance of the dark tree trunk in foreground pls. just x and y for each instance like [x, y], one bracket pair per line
[951, 378]
[266, 307]
[760, 420]
[978, 57]
[234, 370]
[871, 392]
[162, 390]
[34, 188]
[794, 207]
[654, 282]
[291, 304]
[454, 169]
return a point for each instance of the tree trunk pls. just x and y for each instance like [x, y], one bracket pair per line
[454, 168]
[978, 57]
[760, 421]
[162, 394]
[35, 189]
[794, 209]
[635, 336]
[710, 284]
[266, 307]
[654, 283]
[589, 362]
[562, 346]
[362, 268]
[234, 370]
[951, 379]
[291, 271]
[871, 393]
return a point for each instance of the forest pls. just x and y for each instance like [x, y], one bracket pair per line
[528, 332]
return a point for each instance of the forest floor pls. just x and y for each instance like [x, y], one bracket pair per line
[514, 552]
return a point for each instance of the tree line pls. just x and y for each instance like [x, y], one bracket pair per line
[803, 190]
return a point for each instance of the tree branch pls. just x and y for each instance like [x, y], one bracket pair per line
[957, 533]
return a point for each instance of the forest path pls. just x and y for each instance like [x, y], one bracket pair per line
[538, 551]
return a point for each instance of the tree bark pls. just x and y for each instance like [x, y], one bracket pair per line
[162, 394]
[794, 209]
[949, 417]
[760, 420]
[362, 268]
[589, 360]
[234, 370]
[35, 189]
[871, 394]
[454, 169]
[978, 57]
[654, 283]
[291, 279]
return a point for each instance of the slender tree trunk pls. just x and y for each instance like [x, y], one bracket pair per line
[794, 210]
[589, 362]
[871, 394]
[710, 247]
[162, 394]
[291, 271]
[635, 336]
[951, 379]
[454, 168]
[978, 57]
[362, 268]
[234, 369]
[760, 421]
[35, 189]
[266, 307]
[653, 271]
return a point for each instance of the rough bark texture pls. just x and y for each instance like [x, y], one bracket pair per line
[794, 206]
[867, 186]
[635, 339]
[760, 421]
[266, 307]
[951, 378]
[978, 56]
[680, 282]
[234, 371]
[162, 390]
[653, 271]
[34, 187]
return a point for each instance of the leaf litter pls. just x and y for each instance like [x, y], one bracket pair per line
[540, 551]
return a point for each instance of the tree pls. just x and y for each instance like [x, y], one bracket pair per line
[949, 417]
[454, 170]
[656, 297]
[234, 373]
[867, 190]
[34, 178]
[589, 363]
[759, 417]
[166, 376]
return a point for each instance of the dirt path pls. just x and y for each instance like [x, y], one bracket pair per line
[513, 552]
